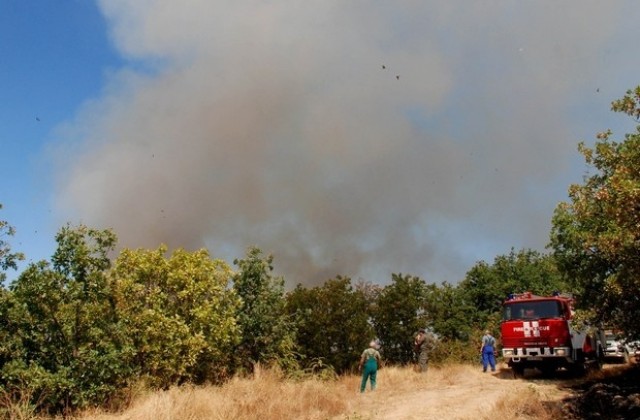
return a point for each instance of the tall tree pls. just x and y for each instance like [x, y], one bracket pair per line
[400, 311]
[449, 311]
[596, 236]
[267, 332]
[487, 285]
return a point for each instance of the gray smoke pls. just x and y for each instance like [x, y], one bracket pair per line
[275, 124]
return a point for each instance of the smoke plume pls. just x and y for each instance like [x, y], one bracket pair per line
[355, 138]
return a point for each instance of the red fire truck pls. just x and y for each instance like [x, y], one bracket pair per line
[537, 332]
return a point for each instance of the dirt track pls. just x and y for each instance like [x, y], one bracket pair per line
[465, 394]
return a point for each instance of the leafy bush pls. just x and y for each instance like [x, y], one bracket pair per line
[79, 333]
[332, 322]
[178, 313]
[267, 329]
[456, 351]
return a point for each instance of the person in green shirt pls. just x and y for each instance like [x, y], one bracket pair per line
[370, 360]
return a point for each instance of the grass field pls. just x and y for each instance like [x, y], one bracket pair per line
[454, 391]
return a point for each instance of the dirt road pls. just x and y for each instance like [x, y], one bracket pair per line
[460, 393]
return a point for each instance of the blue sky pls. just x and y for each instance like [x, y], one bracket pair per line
[229, 124]
[54, 57]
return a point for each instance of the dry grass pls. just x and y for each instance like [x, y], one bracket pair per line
[524, 404]
[267, 395]
[18, 406]
[455, 391]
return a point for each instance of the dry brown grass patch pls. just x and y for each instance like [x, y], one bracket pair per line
[267, 395]
[524, 404]
[452, 391]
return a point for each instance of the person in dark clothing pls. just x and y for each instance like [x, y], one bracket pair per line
[423, 343]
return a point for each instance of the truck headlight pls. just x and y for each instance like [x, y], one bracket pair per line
[508, 352]
[561, 352]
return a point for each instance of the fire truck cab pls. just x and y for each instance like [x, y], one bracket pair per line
[537, 332]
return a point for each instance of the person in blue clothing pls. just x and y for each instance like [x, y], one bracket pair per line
[370, 360]
[487, 349]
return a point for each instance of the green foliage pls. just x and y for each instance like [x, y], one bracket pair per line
[82, 252]
[332, 322]
[596, 236]
[8, 259]
[81, 330]
[267, 332]
[449, 311]
[456, 351]
[400, 311]
[79, 333]
[178, 314]
[486, 286]
[61, 339]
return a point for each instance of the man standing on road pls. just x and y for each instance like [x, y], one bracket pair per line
[370, 360]
[487, 349]
[423, 343]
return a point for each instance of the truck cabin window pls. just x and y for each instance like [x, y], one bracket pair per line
[532, 310]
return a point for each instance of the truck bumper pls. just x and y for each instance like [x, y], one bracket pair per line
[537, 357]
[535, 353]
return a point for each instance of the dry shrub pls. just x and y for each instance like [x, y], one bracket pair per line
[523, 404]
[611, 371]
[19, 405]
[456, 351]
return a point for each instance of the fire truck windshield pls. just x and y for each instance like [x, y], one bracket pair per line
[532, 310]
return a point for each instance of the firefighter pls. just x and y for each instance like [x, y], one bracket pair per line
[370, 360]
[487, 350]
[423, 343]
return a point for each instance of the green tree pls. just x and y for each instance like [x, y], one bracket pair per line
[178, 312]
[449, 311]
[82, 254]
[8, 259]
[486, 286]
[596, 236]
[63, 342]
[400, 311]
[332, 322]
[267, 332]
